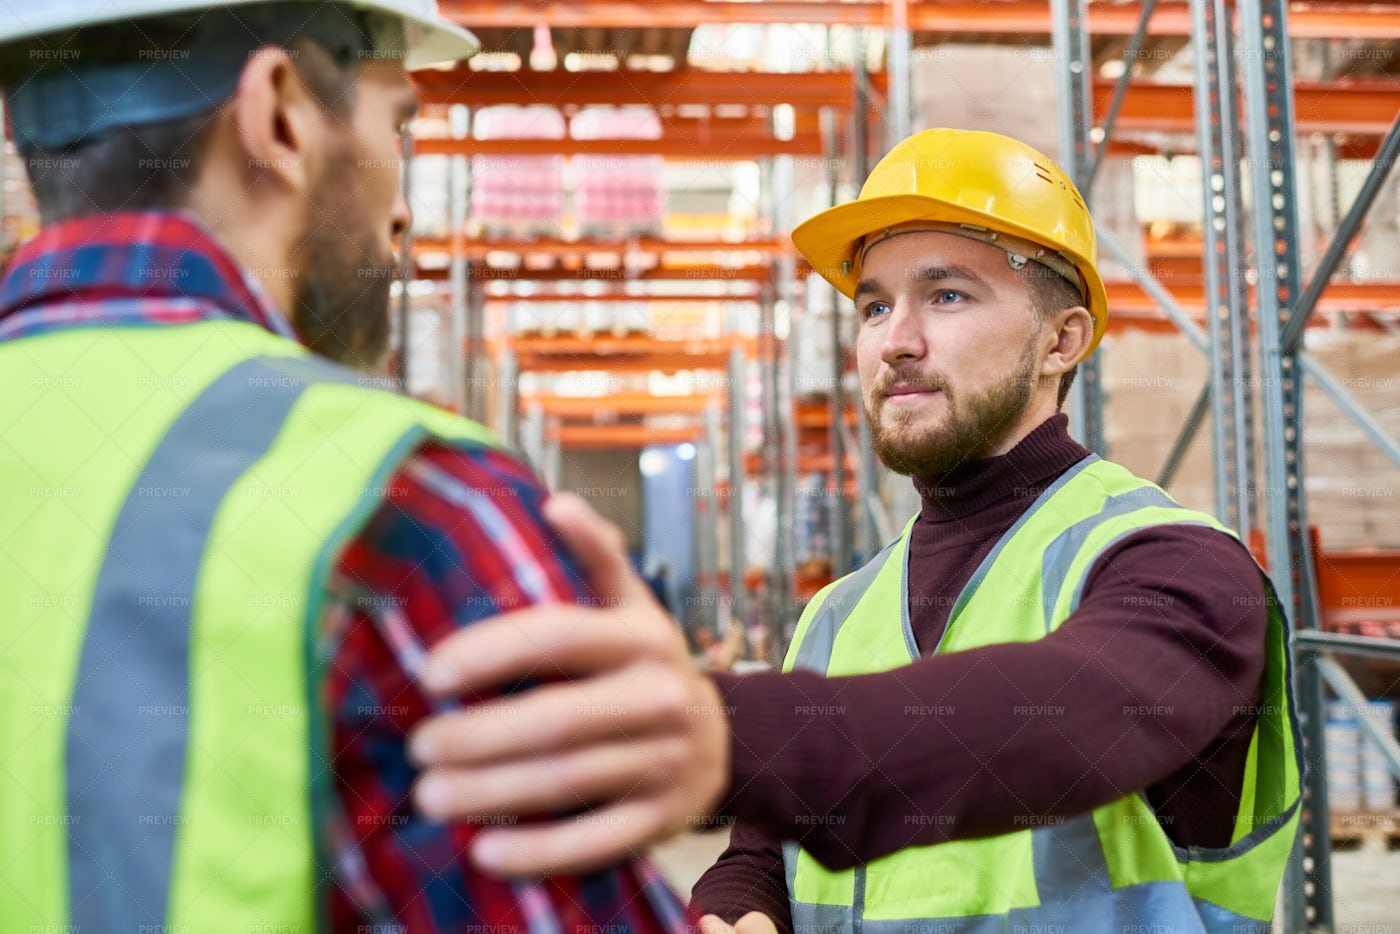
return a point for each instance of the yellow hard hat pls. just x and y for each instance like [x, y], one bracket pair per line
[981, 185]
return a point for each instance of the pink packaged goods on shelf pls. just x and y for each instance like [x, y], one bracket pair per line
[618, 196]
[518, 196]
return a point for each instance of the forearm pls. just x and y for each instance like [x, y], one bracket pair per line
[992, 740]
[748, 876]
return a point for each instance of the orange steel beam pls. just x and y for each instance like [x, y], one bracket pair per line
[1009, 17]
[632, 354]
[1130, 308]
[1340, 295]
[619, 404]
[1360, 107]
[546, 299]
[633, 363]
[559, 247]
[676, 148]
[1027, 17]
[1364, 107]
[619, 436]
[655, 274]
[482, 88]
[755, 124]
[648, 14]
[599, 349]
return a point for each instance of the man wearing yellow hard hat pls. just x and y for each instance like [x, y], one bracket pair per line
[1059, 701]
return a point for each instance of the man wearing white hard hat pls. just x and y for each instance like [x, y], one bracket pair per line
[223, 551]
[1058, 701]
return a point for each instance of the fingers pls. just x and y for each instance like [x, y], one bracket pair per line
[599, 547]
[626, 704]
[541, 642]
[712, 924]
[544, 785]
[577, 845]
[755, 922]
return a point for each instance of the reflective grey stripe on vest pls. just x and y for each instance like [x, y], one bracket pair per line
[1062, 551]
[814, 654]
[128, 731]
[1156, 907]
[1072, 881]
[985, 567]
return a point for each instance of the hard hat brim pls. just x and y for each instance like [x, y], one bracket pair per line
[430, 40]
[436, 42]
[828, 241]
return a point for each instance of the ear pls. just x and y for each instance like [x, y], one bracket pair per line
[281, 126]
[1071, 332]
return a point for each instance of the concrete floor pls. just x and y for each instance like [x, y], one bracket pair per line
[1366, 883]
[1366, 891]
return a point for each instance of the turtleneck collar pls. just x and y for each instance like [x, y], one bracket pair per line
[1023, 472]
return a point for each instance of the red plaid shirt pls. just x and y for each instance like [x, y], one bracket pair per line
[458, 537]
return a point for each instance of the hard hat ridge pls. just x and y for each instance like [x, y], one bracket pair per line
[970, 183]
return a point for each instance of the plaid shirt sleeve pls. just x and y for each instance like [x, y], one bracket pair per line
[459, 537]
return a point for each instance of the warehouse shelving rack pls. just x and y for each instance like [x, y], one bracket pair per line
[1249, 330]
[1245, 41]
[1284, 308]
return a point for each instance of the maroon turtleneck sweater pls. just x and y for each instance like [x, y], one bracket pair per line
[1151, 684]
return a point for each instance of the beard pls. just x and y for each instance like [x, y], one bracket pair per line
[342, 299]
[969, 429]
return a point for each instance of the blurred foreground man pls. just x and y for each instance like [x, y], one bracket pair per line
[1059, 701]
[222, 555]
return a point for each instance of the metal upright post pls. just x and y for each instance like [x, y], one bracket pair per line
[1232, 405]
[707, 480]
[405, 309]
[784, 278]
[461, 366]
[533, 441]
[507, 401]
[868, 472]
[737, 556]
[552, 465]
[840, 505]
[900, 114]
[1268, 91]
[779, 580]
[1069, 24]
[476, 342]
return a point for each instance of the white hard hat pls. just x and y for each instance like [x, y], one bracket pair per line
[58, 99]
[430, 39]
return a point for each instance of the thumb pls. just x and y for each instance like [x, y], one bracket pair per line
[755, 922]
[599, 547]
[713, 924]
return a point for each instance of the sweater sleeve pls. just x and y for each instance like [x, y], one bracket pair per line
[1153, 677]
[748, 876]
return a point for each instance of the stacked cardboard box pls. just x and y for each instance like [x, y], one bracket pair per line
[1352, 489]
[1150, 382]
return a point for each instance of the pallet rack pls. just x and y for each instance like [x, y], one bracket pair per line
[1251, 301]
[1225, 315]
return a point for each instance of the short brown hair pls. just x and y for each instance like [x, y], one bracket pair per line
[1051, 292]
[152, 167]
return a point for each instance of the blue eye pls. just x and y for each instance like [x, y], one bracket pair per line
[948, 297]
[875, 309]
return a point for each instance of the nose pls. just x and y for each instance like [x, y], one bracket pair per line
[902, 337]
